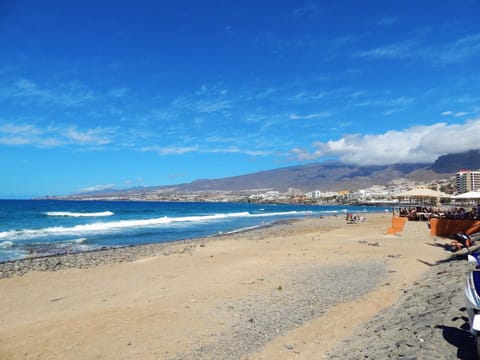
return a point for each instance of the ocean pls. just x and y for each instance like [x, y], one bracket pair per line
[46, 227]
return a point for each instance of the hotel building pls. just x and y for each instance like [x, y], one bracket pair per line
[467, 180]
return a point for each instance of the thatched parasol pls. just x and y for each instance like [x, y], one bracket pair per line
[423, 193]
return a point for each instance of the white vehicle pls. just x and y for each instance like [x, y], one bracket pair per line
[472, 297]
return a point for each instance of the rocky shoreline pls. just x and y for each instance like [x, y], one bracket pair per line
[92, 258]
[88, 259]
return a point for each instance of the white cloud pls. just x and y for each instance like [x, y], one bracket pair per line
[413, 145]
[459, 50]
[53, 136]
[402, 50]
[13, 140]
[306, 97]
[65, 94]
[10, 128]
[130, 182]
[393, 105]
[26, 134]
[97, 188]
[309, 116]
[214, 106]
[455, 51]
[179, 150]
[170, 150]
[88, 137]
[455, 114]
[237, 150]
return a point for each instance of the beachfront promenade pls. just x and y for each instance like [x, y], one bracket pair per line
[444, 226]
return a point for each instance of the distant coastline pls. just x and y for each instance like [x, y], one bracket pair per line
[295, 201]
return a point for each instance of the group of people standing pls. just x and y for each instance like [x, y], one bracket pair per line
[424, 213]
[350, 218]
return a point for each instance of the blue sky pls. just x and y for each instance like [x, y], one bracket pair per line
[114, 94]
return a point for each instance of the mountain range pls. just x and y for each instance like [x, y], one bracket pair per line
[325, 176]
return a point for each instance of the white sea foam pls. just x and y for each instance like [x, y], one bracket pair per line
[284, 213]
[247, 228]
[112, 226]
[79, 214]
[82, 247]
[6, 244]
[79, 241]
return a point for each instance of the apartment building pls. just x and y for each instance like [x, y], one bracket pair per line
[467, 180]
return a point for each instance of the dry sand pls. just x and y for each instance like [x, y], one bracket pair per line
[238, 296]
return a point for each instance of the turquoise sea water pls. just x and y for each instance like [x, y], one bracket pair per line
[45, 227]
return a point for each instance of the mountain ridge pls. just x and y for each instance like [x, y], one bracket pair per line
[326, 176]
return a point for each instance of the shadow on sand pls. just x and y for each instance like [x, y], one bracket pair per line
[460, 338]
[460, 255]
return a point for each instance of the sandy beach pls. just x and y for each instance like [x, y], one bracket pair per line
[304, 289]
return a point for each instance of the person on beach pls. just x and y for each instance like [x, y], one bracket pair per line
[461, 240]
[350, 219]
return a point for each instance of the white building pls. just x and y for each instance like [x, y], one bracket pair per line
[317, 194]
[466, 180]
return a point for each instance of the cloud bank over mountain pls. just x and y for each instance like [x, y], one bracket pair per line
[417, 144]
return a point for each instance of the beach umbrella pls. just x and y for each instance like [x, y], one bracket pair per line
[422, 194]
[468, 195]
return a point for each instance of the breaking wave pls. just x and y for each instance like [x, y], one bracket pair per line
[79, 214]
[115, 226]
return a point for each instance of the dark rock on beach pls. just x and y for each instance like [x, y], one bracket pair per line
[87, 259]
